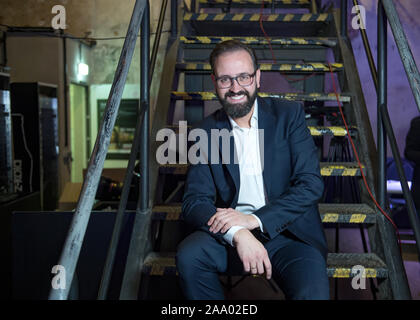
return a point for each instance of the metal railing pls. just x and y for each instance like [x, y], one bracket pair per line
[140, 20]
[387, 13]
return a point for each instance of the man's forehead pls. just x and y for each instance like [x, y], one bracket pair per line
[245, 58]
[246, 55]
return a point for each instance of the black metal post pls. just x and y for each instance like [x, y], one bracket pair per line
[343, 18]
[412, 214]
[382, 103]
[174, 18]
[110, 259]
[157, 38]
[143, 203]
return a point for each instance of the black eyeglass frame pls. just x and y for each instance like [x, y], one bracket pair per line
[232, 79]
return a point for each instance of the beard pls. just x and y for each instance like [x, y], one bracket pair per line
[238, 110]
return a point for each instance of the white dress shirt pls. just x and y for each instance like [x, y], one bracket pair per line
[251, 190]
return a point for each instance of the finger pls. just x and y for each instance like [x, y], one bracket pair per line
[247, 266]
[215, 223]
[221, 223]
[254, 268]
[210, 222]
[229, 222]
[226, 227]
[213, 218]
[267, 265]
[260, 267]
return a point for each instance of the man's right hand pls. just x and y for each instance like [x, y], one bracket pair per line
[252, 253]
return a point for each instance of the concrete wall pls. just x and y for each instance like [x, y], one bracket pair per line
[40, 59]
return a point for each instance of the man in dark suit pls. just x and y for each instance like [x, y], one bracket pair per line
[412, 153]
[260, 195]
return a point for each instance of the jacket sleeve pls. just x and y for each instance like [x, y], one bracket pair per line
[412, 142]
[306, 183]
[198, 204]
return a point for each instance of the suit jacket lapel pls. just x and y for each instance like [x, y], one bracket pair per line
[266, 122]
[233, 168]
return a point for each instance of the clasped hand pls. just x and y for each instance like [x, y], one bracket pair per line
[225, 218]
[252, 253]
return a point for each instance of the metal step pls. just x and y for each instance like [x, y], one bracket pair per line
[283, 67]
[316, 131]
[345, 169]
[248, 24]
[339, 265]
[347, 213]
[208, 96]
[255, 17]
[342, 169]
[252, 41]
[254, 3]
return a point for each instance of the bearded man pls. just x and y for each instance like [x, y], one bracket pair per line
[262, 204]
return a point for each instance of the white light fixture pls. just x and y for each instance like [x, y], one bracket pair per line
[83, 69]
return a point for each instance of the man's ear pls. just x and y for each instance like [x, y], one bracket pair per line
[258, 77]
[213, 78]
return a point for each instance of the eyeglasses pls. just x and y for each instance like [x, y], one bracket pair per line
[244, 80]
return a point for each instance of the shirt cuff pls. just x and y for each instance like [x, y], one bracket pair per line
[228, 236]
[259, 222]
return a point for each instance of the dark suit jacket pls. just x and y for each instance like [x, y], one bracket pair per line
[291, 175]
[412, 153]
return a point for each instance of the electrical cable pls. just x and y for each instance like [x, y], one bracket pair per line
[56, 35]
[358, 160]
[272, 51]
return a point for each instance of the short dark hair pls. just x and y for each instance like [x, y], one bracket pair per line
[231, 46]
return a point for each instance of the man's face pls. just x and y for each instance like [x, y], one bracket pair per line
[237, 100]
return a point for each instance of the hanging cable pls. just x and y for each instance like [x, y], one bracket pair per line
[272, 51]
[358, 160]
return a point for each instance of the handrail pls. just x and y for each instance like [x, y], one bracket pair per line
[74, 240]
[385, 129]
[156, 42]
[406, 55]
[106, 275]
[384, 122]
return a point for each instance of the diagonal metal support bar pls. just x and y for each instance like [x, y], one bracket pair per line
[407, 59]
[109, 263]
[412, 213]
[72, 246]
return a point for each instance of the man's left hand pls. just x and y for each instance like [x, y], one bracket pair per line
[225, 218]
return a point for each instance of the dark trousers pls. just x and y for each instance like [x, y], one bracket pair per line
[298, 269]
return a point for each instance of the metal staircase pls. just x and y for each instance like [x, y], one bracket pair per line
[298, 49]
[300, 44]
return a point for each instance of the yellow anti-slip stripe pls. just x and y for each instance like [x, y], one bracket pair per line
[344, 171]
[256, 17]
[238, 17]
[330, 217]
[336, 131]
[345, 273]
[354, 218]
